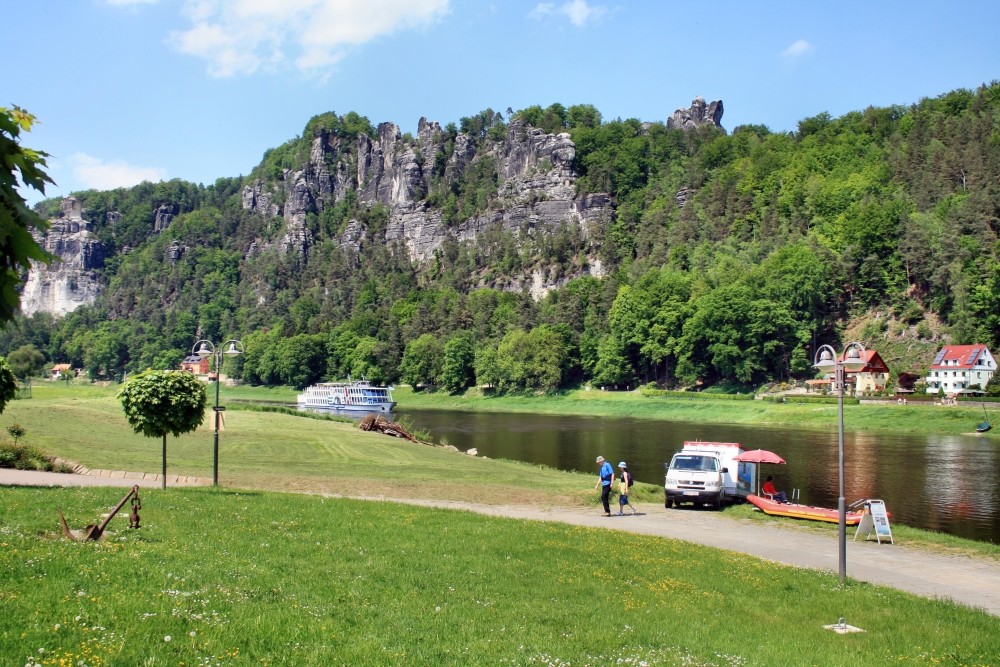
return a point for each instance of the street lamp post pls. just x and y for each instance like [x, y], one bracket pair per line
[852, 360]
[204, 348]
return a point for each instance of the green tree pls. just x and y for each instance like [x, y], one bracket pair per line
[612, 367]
[583, 115]
[301, 360]
[105, 353]
[364, 361]
[160, 402]
[531, 360]
[16, 431]
[487, 369]
[260, 361]
[26, 361]
[8, 384]
[458, 365]
[422, 361]
[735, 337]
[18, 164]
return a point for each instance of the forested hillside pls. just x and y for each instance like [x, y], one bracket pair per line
[691, 258]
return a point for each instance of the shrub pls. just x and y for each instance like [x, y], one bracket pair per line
[22, 457]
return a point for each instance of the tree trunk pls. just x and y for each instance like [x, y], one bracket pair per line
[164, 460]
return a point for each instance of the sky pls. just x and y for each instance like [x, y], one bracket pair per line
[132, 90]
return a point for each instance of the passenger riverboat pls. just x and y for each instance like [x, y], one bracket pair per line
[354, 396]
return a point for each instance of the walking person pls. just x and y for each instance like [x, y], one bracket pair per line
[604, 481]
[623, 486]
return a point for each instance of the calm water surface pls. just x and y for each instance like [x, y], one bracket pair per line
[945, 483]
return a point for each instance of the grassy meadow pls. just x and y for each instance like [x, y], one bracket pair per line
[263, 450]
[226, 577]
[281, 451]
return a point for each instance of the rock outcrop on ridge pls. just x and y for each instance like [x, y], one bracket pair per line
[72, 279]
[698, 114]
[536, 187]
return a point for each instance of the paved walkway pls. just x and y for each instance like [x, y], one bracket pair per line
[969, 581]
[88, 477]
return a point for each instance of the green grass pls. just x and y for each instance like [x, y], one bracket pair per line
[257, 578]
[288, 451]
[704, 408]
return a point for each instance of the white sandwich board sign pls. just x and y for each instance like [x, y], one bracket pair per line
[875, 519]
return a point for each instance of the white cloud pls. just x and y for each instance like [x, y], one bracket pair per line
[92, 172]
[241, 37]
[577, 11]
[797, 49]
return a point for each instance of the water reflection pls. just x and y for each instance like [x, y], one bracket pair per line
[946, 483]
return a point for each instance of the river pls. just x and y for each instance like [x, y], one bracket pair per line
[945, 483]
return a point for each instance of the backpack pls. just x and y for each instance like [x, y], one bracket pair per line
[626, 482]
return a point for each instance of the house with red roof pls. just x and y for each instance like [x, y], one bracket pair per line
[961, 369]
[872, 378]
[61, 370]
[195, 364]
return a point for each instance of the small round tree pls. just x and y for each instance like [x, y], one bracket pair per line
[16, 431]
[160, 402]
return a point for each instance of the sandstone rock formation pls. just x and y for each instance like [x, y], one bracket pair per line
[697, 115]
[536, 189]
[71, 280]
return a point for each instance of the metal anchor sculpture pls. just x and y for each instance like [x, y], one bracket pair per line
[94, 532]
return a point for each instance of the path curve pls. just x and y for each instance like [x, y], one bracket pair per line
[970, 581]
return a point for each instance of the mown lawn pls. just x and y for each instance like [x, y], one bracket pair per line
[217, 576]
[280, 451]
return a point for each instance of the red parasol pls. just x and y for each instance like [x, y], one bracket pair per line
[759, 456]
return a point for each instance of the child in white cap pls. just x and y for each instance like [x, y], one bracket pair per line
[623, 486]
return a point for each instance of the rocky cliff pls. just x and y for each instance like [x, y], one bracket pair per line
[71, 281]
[698, 114]
[535, 193]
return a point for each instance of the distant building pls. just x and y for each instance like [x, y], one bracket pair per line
[61, 370]
[195, 364]
[873, 377]
[961, 369]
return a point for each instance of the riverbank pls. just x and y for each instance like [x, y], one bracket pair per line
[706, 408]
[284, 451]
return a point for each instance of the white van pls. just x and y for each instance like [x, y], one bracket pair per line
[707, 473]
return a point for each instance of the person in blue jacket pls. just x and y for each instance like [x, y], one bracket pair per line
[606, 479]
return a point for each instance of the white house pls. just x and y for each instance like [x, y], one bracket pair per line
[959, 369]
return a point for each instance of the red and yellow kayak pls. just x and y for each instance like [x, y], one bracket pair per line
[796, 511]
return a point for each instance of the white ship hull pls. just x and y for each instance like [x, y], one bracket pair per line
[360, 396]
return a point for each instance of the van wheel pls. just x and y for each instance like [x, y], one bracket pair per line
[667, 502]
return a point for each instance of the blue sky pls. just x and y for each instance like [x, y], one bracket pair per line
[132, 90]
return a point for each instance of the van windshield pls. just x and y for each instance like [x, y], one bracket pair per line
[694, 462]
